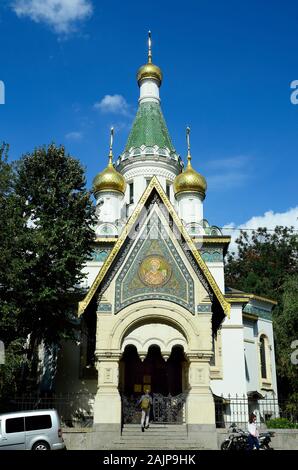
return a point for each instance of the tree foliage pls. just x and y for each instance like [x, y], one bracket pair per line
[12, 332]
[58, 212]
[266, 264]
[47, 215]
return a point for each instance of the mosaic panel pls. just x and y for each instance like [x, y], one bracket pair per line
[154, 270]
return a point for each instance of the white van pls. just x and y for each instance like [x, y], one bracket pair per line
[31, 430]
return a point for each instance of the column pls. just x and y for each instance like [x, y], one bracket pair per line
[200, 410]
[107, 405]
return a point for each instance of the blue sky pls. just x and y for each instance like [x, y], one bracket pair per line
[227, 69]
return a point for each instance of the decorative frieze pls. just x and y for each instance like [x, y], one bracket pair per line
[212, 255]
[261, 312]
[204, 308]
[100, 255]
[107, 307]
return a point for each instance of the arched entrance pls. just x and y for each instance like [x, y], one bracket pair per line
[163, 376]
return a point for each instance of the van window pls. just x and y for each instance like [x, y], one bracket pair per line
[33, 423]
[14, 425]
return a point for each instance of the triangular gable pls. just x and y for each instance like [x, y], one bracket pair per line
[136, 216]
[154, 267]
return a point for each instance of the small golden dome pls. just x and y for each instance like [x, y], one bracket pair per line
[109, 179]
[190, 180]
[149, 71]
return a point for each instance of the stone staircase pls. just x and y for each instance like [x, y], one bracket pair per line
[157, 437]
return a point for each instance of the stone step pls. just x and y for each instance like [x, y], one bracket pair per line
[154, 432]
[154, 437]
[156, 425]
[158, 446]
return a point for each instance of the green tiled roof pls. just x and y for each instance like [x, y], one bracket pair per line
[149, 128]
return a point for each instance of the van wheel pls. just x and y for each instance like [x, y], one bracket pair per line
[41, 445]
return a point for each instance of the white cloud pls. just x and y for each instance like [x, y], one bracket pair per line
[269, 220]
[228, 173]
[74, 135]
[115, 104]
[61, 15]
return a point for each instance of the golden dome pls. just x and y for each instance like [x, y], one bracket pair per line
[149, 70]
[190, 180]
[109, 179]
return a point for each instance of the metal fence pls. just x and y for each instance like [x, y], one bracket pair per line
[165, 409]
[74, 409]
[236, 409]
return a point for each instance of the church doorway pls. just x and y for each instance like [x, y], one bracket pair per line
[164, 379]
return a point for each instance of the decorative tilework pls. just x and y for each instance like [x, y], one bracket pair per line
[149, 128]
[204, 308]
[104, 308]
[129, 286]
[212, 255]
[100, 255]
[261, 312]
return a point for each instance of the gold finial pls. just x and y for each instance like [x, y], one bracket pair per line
[111, 146]
[149, 48]
[188, 145]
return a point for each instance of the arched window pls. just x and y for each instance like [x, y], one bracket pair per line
[263, 358]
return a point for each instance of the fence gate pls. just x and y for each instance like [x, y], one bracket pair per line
[165, 409]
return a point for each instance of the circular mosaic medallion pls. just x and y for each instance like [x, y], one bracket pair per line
[154, 271]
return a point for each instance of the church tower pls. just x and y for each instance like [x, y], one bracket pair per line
[149, 152]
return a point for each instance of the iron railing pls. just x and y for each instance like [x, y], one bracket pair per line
[236, 409]
[76, 409]
[165, 409]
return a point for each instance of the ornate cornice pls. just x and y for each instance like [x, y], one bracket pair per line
[150, 172]
[214, 240]
[243, 297]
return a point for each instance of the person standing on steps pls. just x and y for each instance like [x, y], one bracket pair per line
[145, 402]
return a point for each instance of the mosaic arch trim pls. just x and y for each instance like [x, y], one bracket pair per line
[201, 265]
[154, 270]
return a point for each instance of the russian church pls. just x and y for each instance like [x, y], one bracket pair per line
[156, 312]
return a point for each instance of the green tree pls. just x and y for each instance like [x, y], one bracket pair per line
[286, 332]
[51, 240]
[58, 211]
[12, 263]
[266, 264]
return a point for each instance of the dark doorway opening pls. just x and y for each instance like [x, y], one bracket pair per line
[162, 378]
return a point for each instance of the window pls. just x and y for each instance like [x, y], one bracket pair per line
[168, 189]
[130, 193]
[33, 423]
[263, 357]
[14, 425]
